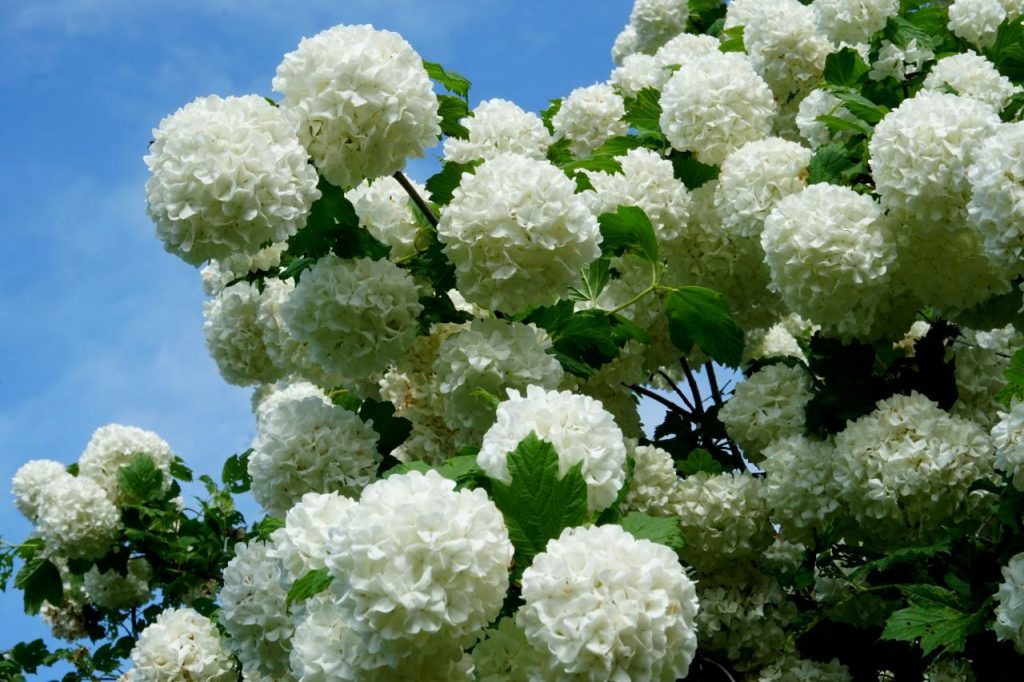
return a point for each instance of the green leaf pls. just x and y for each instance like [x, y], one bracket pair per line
[701, 317]
[451, 81]
[664, 531]
[845, 67]
[263, 529]
[452, 110]
[442, 184]
[837, 164]
[859, 105]
[40, 580]
[643, 112]
[549, 113]
[309, 585]
[235, 473]
[462, 469]
[1014, 110]
[140, 480]
[180, 470]
[836, 124]
[628, 230]
[704, 15]
[333, 226]
[900, 31]
[934, 617]
[691, 172]
[697, 461]
[1007, 53]
[595, 278]
[29, 655]
[732, 40]
[538, 504]
[406, 467]
[1014, 374]
[903, 556]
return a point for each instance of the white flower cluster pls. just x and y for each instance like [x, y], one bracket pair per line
[181, 645]
[638, 71]
[110, 589]
[1009, 623]
[793, 669]
[853, 21]
[301, 545]
[29, 483]
[419, 568]
[907, 467]
[601, 604]
[578, 428]
[977, 21]
[740, 12]
[982, 359]
[723, 518]
[517, 233]
[657, 21]
[714, 105]
[785, 47]
[821, 103]
[754, 178]
[114, 446]
[220, 272]
[494, 356]
[384, 209]
[971, 75]
[504, 655]
[768, 406]
[498, 126]
[682, 49]
[254, 610]
[1008, 438]
[234, 336]
[305, 445]
[647, 181]
[356, 315]
[76, 518]
[799, 488]
[588, 117]
[830, 251]
[362, 100]
[654, 486]
[898, 62]
[996, 207]
[227, 175]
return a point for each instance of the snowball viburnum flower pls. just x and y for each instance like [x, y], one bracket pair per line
[1009, 611]
[577, 426]
[181, 645]
[589, 116]
[362, 99]
[996, 207]
[600, 604]
[30, 480]
[76, 518]
[234, 336]
[227, 175]
[498, 126]
[114, 446]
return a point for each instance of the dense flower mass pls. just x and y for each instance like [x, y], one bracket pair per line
[517, 233]
[498, 126]
[75, 518]
[971, 75]
[1009, 623]
[385, 210]
[362, 100]
[181, 645]
[589, 116]
[600, 604]
[227, 175]
[996, 207]
[578, 427]
[114, 446]
[785, 47]
[234, 336]
[768, 406]
[853, 21]
[30, 480]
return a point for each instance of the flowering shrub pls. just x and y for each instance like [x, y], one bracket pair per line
[825, 198]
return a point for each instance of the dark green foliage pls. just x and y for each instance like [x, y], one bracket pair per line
[662, 530]
[628, 230]
[700, 317]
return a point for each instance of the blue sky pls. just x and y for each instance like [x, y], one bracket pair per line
[97, 323]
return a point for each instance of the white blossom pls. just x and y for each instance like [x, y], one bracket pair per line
[996, 206]
[181, 645]
[853, 21]
[498, 126]
[977, 21]
[234, 336]
[767, 406]
[114, 446]
[972, 75]
[1009, 623]
[30, 480]
[385, 210]
[588, 117]
[76, 518]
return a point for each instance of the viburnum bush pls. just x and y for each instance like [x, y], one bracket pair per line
[798, 226]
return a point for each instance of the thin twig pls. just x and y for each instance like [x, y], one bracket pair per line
[720, 667]
[698, 407]
[676, 388]
[672, 407]
[416, 198]
[709, 367]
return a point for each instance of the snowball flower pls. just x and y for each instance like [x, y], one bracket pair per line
[112, 590]
[971, 75]
[234, 336]
[638, 71]
[785, 47]
[767, 406]
[682, 49]
[906, 468]
[740, 12]
[754, 178]
[714, 105]
[600, 604]
[853, 21]
[356, 315]
[114, 446]
[499, 126]
[29, 482]
[220, 272]
[76, 518]
[181, 645]
[821, 103]
[577, 426]
[625, 44]
[799, 488]
[385, 210]
[492, 355]
[588, 117]
[254, 610]
[304, 445]
[977, 21]
[419, 566]
[830, 251]
[1009, 623]
[362, 99]
[517, 234]
[996, 206]
[653, 487]
[656, 21]
[301, 545]
[227, 175]
[1008, 437]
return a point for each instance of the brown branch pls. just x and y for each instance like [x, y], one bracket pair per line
[690, 379]
[676, 388]
[416, 198]
[709, 367]
[672, 407]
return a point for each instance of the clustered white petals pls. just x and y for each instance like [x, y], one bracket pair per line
[114, 446]
[1008, 438]
[821, 103]
[799, 488]
[785, 47]
[1009, 623]
[220, 272]
[996, 206]
[793, 669]
[654, 486]
[385, 210]
[301, 545]
[589, 116]
[356, 315]
[504, 655]
[498, 126]
[830, 252]
[234, 336]
[768, 406]
[971, 75]
[714, 105]
[683, 49]
[517, 233]
[30, 480]
[181, 645]
[577, 426]
[638, 71]
[76, 518]
[656, 21]
[977, 21]
[305, 445]
[853, 21]
[112, 590]
[746, 622]
[601, 604]
[362, 100]
[227, 175]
